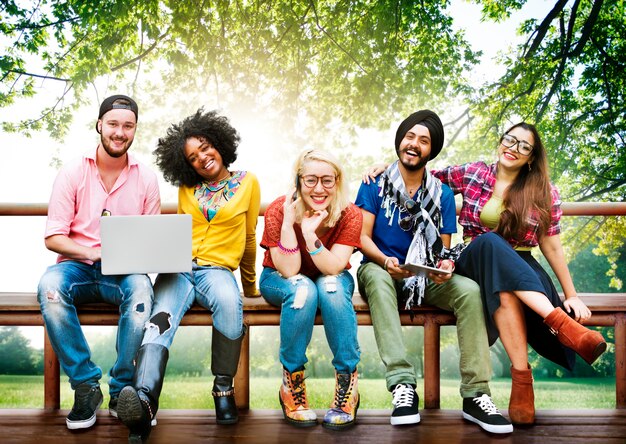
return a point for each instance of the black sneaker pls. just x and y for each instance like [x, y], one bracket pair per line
[482, 411]
[87, 401]
[405, 405]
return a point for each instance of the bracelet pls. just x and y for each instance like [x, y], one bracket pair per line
[285, 250]
[385, 263]
[318, 248]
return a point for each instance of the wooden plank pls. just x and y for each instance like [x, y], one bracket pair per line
[620, 361]
[269, 427]
[51, 376]
[26, 302]
[569, 208]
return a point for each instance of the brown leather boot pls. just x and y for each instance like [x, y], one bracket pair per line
[589, 344]
[522, 401]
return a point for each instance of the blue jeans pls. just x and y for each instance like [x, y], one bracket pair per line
[299, 298]
[214, 288]
[71, 283]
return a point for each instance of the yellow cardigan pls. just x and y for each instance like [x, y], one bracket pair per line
[229, 239]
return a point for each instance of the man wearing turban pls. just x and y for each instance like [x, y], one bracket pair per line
[409, 216]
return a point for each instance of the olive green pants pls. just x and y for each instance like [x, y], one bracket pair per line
[459, 295]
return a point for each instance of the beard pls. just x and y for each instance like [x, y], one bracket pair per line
[106, 144]
[411, 166]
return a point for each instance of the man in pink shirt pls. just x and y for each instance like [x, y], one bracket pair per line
[105, 181]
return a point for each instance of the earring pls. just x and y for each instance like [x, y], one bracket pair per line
[529, 167]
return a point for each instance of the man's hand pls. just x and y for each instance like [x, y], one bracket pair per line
[439, 278]
[392, 265]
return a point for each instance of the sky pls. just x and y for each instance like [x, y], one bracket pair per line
[26, 172]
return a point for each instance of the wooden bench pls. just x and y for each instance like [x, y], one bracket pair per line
[22, 309]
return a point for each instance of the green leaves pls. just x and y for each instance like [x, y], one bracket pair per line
[360, 62]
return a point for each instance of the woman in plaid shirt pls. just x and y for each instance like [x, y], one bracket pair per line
[509, 207]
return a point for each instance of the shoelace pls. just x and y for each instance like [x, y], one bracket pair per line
[298, 390]
[343, 390]
[403, 395]
[486, 404]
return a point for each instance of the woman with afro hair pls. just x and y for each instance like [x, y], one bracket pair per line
[195, 156]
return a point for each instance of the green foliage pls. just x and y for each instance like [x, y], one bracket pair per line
[190, 353]
[194, 393]
[363, 62]
[20, 358]
[567, 78]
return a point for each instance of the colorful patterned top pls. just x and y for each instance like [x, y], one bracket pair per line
[214, 195]
[475, 181]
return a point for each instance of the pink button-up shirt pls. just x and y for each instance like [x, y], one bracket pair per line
[79, 197]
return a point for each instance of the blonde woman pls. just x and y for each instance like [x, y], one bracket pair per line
[309, 237]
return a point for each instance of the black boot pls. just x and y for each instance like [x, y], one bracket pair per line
[137, 405]
[224, 360]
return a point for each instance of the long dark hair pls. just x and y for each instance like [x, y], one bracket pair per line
[529, 193]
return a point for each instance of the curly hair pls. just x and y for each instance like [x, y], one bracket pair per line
[170, 151]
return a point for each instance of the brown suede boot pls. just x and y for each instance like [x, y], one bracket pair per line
[522, 401]
[589, 344]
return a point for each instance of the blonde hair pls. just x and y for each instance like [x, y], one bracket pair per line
[339, 201]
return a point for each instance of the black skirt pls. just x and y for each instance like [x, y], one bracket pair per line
[490, 261]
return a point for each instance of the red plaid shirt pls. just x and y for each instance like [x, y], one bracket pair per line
[475, 181]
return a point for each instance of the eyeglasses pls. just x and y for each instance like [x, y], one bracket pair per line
[523, 147]
[406, 223]
[310, 181]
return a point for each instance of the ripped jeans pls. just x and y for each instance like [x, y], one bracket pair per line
[214, 288]
[70, 283]
[299, 298]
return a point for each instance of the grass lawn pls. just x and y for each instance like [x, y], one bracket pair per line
[195, 393]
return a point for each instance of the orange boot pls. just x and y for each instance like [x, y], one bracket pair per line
[522, 401]
[342, 413]
[589, 344]
[292, 396]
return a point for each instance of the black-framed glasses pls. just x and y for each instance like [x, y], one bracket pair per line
[311, 181]
[522, 147]
[411, 207]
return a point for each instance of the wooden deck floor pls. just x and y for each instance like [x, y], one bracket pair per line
[268, 427]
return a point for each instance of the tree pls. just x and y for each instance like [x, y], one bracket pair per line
[330, 67]
[360, 61]
[566, 77]
[23, 358]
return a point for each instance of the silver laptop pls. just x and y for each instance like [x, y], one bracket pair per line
[146, 244]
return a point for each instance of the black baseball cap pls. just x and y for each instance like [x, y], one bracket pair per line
[108, 104]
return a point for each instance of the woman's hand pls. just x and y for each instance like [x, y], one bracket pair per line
[289, 208]
[581, 312]
[373, 172]
[311, 220]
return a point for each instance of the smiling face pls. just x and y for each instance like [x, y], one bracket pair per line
[205, 159]
[510, 158]
[117, 131]
[317, 197]
[414, 149]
